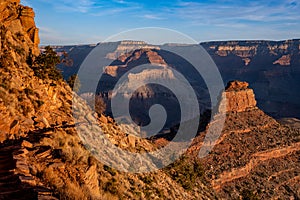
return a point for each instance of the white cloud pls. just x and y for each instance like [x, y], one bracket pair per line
[82, 6]
[92, 7]
[151, 16]
[114, 11]
[226, 13]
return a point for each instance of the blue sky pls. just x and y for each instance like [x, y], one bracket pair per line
[92, 21]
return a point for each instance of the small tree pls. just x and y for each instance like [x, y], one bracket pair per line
[100, 105]
[96, 102]
[44, 65]
[66, 60]
[74, 82]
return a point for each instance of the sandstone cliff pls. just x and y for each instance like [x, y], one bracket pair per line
[25, 99]
[41, 155]
[127, 60]
[18, 21]
[237, 98]
[271, 68]
[254, 156]
[125, 47]
[250, 50]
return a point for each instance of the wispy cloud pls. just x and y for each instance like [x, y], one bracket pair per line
[93, 7]
[203, 20]
[153, 17]
[82, 6]
[233, 12]
[114, 11]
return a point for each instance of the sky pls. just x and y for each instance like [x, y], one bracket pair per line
[64, 22]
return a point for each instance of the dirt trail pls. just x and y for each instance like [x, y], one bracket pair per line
[10, 184]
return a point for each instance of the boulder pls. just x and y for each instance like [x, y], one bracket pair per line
[26, 144]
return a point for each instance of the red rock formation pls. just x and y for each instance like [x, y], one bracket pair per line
[254, 153]
[241, 51]
[285, 60]
[125, 48]
[111, 70]
[151, 57]
[19, 20]
[154, 58]
[237, 98]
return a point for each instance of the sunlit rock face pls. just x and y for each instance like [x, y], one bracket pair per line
[237, 98]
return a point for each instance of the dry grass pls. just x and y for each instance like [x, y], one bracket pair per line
[70, 145]
[64, 188]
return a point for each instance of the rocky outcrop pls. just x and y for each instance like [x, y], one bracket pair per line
[25, 100]
[17, 22]
[111, 70]
[128, 60]
[149, 55]
[271, 70]
[16, 182]
[241, 51]
[251, 49]
[155, 59]
[125, 47]
[237, 98]
[285, 60]
[254, 155]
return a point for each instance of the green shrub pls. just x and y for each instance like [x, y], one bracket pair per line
[248, 195]
[4, 85]
[38, 103]
[28, 91]
[109, 170]
[74, 82]
[147, 179]
[44, 65]
[111, 187]
[186, 171]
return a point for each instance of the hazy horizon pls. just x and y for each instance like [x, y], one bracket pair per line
[241, 40]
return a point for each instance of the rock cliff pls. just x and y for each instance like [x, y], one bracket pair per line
[18, 21]
[25, 100]
[271, 68]
[254, 155]
[237, 98]
[127, 47]
[251, 50]
[41, 155]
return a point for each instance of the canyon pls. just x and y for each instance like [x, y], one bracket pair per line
[270, 67]
[43, 156]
